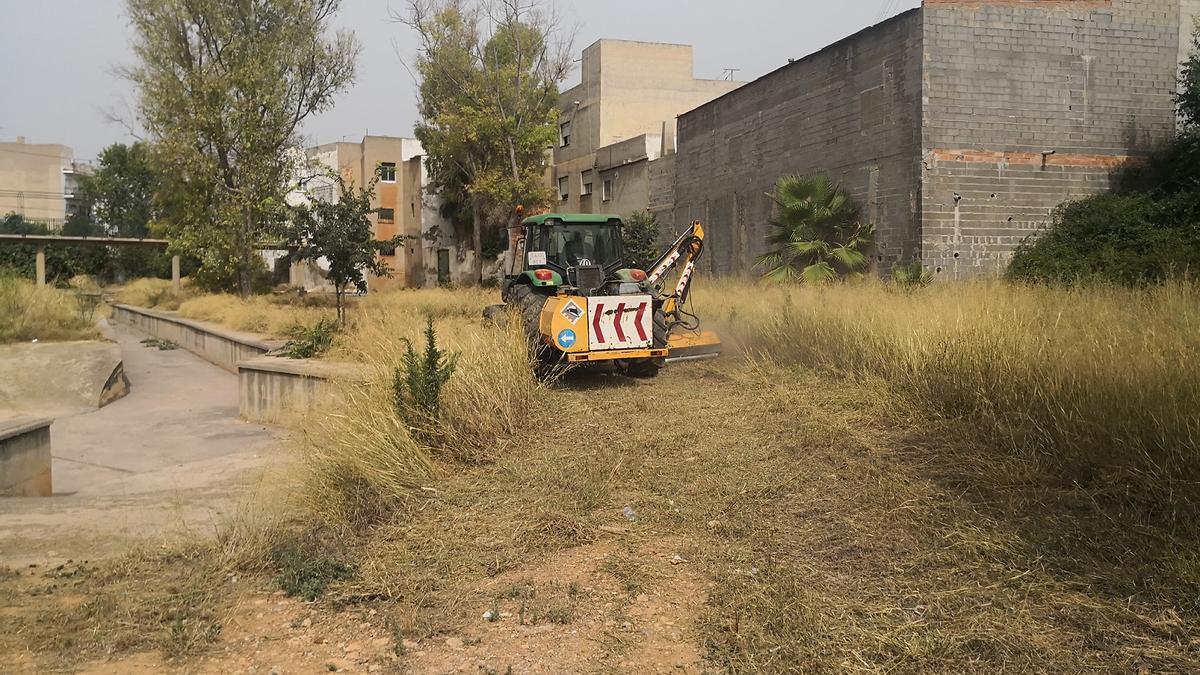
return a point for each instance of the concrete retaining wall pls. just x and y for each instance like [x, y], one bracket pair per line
[270, 388]
[60, 378]
[25, 458]
[215, 344]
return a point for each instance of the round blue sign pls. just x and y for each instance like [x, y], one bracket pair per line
[566, 338]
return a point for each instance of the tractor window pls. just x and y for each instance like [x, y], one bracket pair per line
[574, 245]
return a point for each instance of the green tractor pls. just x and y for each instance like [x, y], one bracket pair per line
[581, 303]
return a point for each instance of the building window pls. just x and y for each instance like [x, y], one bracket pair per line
[387, 215]
[387, 172]
[563, 189]
[564, 134]
[585, 180]
[606, 189]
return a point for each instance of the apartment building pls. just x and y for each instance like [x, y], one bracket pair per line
[39, 181]
[430, 253]
[620, 119]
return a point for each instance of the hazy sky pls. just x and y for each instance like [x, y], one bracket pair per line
[57, 57]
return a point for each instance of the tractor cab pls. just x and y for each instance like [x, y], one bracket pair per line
[577, 253]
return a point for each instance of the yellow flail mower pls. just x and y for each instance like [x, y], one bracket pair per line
[581, 303]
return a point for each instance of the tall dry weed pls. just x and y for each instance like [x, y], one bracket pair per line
[29, 312]
[153, 294]
[359, 456]
[1097, 384]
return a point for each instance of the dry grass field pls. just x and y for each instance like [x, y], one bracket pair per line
[29, 312]
[967, 478]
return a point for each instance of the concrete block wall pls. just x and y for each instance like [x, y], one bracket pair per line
[25, 458]
[662, 197]
[959, 126]
[851, 111]
[1029, 104]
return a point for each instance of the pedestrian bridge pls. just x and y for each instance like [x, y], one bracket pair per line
[39, 241]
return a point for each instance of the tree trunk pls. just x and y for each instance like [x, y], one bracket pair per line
[477, 226]
[245, 273]
[245, 254]
[339, 294]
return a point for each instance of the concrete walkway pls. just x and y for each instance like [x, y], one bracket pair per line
[169, 458]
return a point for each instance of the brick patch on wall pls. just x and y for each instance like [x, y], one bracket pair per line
[1035, 158]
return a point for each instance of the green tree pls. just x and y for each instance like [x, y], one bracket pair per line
[640, 239]
[223, 88]
[123, 189]
[489, 77]
[1187, 101]
[816, 232]
[340, 232]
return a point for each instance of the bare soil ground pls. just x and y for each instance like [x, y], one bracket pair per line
[781, 521]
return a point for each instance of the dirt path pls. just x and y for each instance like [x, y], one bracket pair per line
[172, 457]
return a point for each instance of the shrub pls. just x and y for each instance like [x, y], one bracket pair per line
[1126, 239]
[306, 342]
[417, 382]
[912, 276]
[640, 239]
[223, 278]
[305, 569]
[360, 459]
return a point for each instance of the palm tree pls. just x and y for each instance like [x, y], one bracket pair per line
[816, 233]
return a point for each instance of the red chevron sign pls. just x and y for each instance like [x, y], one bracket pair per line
[623, 322]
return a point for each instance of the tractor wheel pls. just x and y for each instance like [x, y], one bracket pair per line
[650, 367]
[530, 303]
[495, 315]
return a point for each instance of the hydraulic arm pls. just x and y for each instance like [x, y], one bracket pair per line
[686, 251]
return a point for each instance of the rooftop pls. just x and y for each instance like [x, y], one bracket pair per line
[571, 218]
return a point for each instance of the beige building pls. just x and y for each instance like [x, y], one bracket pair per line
[37, 181]
[430, 253]
[620, 119]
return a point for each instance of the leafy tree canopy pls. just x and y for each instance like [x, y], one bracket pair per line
[123, 189]
[223, 87]
[340, 233]
[488, 101]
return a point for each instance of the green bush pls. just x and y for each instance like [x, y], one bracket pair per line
[217, 277]
[417, 383]
[304, 569]
[912, 276]
[306, 342]
[640, 239]
[1127, 239]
